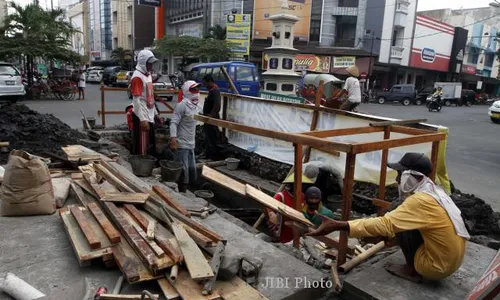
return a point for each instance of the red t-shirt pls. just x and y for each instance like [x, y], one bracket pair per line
[289, 200]
[136, 86]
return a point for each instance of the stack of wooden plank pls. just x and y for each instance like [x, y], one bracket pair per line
[147, 234]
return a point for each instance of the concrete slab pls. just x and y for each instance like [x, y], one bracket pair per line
[375, 282]
[281, 277]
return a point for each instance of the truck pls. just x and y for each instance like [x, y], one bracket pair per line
[452, 92]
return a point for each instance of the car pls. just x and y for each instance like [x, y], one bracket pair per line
[123, 78]
[494, 112]
[11, 83]
[95, 76]
[468, 98]
[109, 75]
[403, 93]
[90, 69]
[163, 83]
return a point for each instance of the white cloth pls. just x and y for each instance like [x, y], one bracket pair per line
[353, 90]
[141, 108]
[81, 82]
[409, 184]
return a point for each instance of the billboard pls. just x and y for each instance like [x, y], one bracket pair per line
[238, 33]
[432, 44]
[311, 62]
[263, 9]
[155, 3]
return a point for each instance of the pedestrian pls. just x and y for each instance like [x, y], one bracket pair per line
[81, 86]
[425, 222]
[144, 110]
[211, 108]
[183, 133]
[353, 89]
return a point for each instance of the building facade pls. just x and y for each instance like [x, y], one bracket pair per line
[78, 16]
[3, 12]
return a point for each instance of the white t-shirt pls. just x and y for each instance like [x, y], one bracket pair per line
[81, 81]
[353, 90]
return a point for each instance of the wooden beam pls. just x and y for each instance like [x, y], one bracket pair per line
[314, 142]
[315, 117]
[127, 297]
[150, 231]
[277, 206]
[190, 289]
[120, 185]
[343, 131]
[346, 203]
[196, 263]
[136, 214]
[80, 195]
[83, 184]
[237, 289]
[397, 122]
[135, 188]
[383, 167]
[167, 197]
[106, 225]
[126, 264]
[434, 159]
[394, 143]
[223, 180]
[198, 238]
[410, 130]
[126, 197]
[85, 227]
[168, 290]
[297, 188]
[159, 252]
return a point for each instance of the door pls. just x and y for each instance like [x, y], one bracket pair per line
[395, 94]
[246, 81]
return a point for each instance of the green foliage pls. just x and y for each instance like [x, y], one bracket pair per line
[188, 46]
[122, 56]
[217, 32]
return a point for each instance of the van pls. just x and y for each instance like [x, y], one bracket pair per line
[244, 76]
[403, 93]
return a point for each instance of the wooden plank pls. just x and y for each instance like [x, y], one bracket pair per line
[167, 197]
[4, 144]
[343, 131]
[126, 264]
[150, 231]
[79, 152]
[76, 176]
[159, 252]
[317, 143]
[95, 187]
[189, 289]
[399, 142]
[346, 203]
[397, 122]
[434, 160]
[125, 179]
[82, 183]
[409, 130]
[297, 188]
[112, 179]
[237, 289]
[276, 205]
[84, 253]
[106, 225]
[84, 199]
[82, 221]
[125, 197]
[315, 117]
[383, 167]
[168, 290]
[223, 180]
[197, 265]
[136, 214]
[198, 238]
[127, 297]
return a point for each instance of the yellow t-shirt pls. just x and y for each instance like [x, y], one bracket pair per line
[443, 250]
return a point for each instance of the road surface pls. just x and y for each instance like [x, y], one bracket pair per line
[473, 155]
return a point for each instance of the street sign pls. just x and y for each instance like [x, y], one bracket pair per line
[363, 75]
[489, 284]
[282, 98]
[155, 3]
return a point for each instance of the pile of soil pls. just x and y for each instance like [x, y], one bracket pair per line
[479, 216]
[33, 132]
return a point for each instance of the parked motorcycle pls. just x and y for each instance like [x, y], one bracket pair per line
[434, 103]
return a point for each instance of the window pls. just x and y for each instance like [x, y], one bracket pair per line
[396, 89]
[314, 31]
[203, 72]
[273, 63]
[287, 87]
[217, 74]
[407, 89]
[115, 17]
[115, 42]
[8, 70]
[348, 3]
[287, 63]
[244, 74]
[271, 86]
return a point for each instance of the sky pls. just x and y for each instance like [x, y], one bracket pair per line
[422, 4]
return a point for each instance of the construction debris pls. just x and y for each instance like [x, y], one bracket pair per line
[18, 288]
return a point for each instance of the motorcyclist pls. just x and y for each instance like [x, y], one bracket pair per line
[438, 94]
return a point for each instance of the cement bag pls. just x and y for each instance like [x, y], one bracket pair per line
[61, 190]
[27, 187]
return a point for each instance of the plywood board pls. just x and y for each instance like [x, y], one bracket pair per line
[196, 262]
[135, 198]
[79, 152]
[82, 249]
[190, 289]
[223, 180]
[168, 289]
[237, 289]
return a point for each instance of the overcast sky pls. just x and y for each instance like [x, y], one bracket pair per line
[422, 4]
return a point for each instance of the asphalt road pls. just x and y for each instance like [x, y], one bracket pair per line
[473, 156]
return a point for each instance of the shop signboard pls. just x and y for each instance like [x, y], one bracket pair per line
[263, 9]
[342, 62]
[282, 98]
[238, 34]
[154, 3]
[468, 69]
[313, 63]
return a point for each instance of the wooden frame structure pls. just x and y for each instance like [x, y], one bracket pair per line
[317, 140]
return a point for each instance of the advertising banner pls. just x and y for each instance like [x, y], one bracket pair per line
[432, 49]
[342, 62]
[280, 97]
[155, 3]
[238, 33]
[311, 62]
[263, 9]
[468, 69]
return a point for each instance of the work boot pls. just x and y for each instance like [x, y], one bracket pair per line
[182, 187]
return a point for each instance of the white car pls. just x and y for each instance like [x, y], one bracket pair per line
[11, 83]
[95, 76]
[494, 112]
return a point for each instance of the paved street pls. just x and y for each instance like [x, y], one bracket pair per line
[473, 155]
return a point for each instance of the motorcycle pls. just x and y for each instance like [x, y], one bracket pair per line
[434, 103]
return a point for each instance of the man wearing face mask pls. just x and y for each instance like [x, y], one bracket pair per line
[314, 208]
[144, 110]
[183, 132]
[425, 222]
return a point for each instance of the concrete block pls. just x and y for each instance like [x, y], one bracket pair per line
[376, 283]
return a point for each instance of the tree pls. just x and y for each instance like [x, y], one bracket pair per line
[122, 57]
[217, 32]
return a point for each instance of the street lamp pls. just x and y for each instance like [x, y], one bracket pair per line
[495, 4]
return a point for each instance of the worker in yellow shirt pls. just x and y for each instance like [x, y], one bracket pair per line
[425, 222]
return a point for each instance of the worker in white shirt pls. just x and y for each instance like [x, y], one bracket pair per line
[352, 89]
[81, 86]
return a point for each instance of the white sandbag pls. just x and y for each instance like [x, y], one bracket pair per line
[61, 190]
[18, 288]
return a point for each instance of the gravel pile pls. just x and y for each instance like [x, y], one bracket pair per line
[33, 132]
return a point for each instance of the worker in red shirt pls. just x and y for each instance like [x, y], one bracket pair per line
[144, 109]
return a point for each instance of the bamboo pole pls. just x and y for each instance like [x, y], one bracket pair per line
[346, 267]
